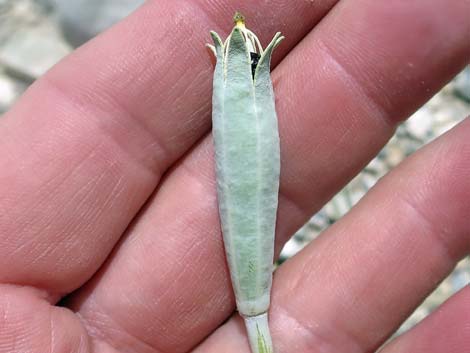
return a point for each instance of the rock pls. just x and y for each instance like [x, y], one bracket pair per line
[420, 124]
[84, 19]
[31, 52]
[292, 247]
[10, 90]
[462, 84]
[31, 42]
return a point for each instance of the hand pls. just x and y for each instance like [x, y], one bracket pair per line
[107, 196]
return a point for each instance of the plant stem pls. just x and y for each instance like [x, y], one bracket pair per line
[258, 333]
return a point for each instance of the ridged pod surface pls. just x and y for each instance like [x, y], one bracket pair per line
[247, 158]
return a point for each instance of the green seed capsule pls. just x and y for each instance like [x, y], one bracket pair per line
[247, 158]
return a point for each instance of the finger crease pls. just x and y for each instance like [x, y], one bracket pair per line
[374, 106]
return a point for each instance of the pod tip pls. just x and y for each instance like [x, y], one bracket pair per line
[239, 19]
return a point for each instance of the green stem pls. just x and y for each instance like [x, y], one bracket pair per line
[258, 334]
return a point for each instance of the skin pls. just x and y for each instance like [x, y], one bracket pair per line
[108, 203]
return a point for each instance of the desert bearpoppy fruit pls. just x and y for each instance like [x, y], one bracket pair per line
[247, 155]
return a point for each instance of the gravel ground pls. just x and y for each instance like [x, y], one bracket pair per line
[31, 41]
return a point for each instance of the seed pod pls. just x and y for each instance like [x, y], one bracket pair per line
[246, 138]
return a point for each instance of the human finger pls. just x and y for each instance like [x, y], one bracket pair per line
[445, 330]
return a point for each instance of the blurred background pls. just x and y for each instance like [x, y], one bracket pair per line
[35, 34]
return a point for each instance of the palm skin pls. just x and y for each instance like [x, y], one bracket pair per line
[107, 196]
